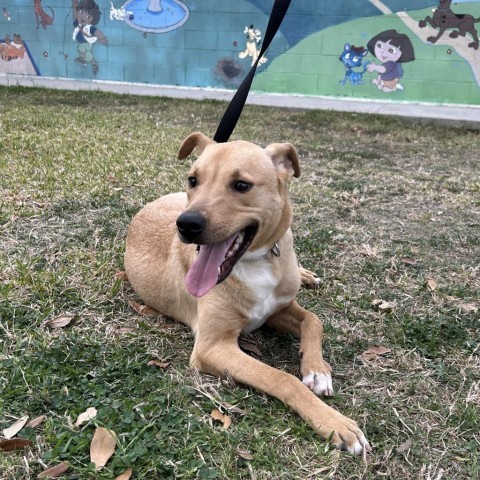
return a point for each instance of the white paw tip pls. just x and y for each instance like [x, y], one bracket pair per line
[360, 446]
[319, 383]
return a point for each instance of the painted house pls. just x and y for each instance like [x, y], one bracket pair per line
[399, 51]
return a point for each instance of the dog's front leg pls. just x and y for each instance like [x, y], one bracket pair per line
[433, 39]
[218, 353]
[316, 372]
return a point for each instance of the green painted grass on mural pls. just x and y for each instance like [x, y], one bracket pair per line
[438, 74]
[385, 210]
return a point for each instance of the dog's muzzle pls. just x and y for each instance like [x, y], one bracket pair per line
[190, 226]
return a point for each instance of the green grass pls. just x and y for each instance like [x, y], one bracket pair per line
[382, 204]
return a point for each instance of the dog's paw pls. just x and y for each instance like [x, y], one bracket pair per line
[319, 383]
[344, 434]
[309, 278]
[349, 438]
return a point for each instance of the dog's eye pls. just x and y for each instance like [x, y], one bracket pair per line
[192, 182]
[242, 186]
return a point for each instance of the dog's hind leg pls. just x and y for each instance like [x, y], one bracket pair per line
[224, 357]
[316, 372]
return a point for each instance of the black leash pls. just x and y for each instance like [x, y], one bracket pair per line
[235, 107]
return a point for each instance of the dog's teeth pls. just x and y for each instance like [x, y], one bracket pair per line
[219, 271]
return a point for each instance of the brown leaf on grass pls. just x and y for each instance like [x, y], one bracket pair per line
[245, 454]
[405, 446]
[219, 416]
[125, 475]
[125, 330]
[88, 414]
[35, 422]
[55, 471]
[249, 347]
[468, 307]
[382, 305]
[431, 283]
[374, 352]
[13, 429]
[14, 444]
[156, 363]
[102, 447]
[232, 408]
[143, 309]
[60, 322]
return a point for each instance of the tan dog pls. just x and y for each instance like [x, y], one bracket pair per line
[245, 273]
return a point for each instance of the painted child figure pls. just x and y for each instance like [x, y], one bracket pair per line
[392, 49]
[86, 15]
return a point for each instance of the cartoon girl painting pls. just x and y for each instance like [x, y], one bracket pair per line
[391, 49]
[86, 15]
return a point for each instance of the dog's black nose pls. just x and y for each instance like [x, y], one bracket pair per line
[190, 225]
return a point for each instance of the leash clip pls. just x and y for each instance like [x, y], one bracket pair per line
[275, 250]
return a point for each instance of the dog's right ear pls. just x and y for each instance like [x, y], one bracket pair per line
[194, 140]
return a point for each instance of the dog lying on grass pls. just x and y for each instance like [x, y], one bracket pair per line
[220, 259]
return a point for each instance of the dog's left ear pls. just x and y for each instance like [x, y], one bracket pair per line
[196, 139]
[284, 157]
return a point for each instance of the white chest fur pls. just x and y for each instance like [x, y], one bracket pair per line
[257, 275]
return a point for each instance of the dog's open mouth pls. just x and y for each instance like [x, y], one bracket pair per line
[215, 262]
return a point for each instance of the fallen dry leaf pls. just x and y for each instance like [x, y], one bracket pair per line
[102, 447]
[14, 444]
[60, 322]
[13, 429]
[245, 454]
[124, 330]
[374, 352]
[125, 475]
[156, 363]
[224, 419]
[382, 305]
[88, 414]
[232, 408]
[35, 422]
[404, 446]
[468, 307]
[380, 350]
[431, 283]
[54, 471]
[143, 309]
[249, 347]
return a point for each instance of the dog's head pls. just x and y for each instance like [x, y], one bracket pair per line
[238, 204]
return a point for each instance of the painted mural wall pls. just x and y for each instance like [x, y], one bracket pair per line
[410, 50]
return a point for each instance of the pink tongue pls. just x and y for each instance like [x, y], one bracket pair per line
[203, 274]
